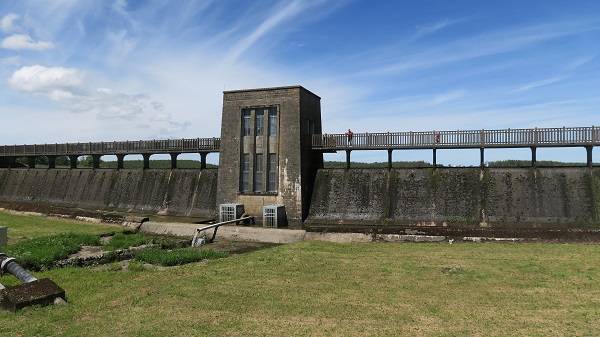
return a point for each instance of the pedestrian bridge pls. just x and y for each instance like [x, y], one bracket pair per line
[586, 137]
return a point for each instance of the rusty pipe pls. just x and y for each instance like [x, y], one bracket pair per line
[11, 265]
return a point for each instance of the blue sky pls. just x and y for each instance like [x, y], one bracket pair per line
[104, 70]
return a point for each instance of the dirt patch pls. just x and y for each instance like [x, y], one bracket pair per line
[237, 247]
[95, 256]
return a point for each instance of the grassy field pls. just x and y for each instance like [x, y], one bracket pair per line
[318, 288]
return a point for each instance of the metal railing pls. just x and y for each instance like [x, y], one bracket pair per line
[118, 147]
[537, 137]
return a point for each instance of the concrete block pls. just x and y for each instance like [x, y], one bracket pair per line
[38, 292]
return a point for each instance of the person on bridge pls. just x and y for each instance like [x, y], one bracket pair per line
[437, 138]
[350, 135]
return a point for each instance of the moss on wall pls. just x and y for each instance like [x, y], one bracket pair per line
[458, 196]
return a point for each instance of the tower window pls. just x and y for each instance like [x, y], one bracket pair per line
[260, 122]
[246, 113]
[245, 173]
[272, 121]
[258, 173]
[272, 177]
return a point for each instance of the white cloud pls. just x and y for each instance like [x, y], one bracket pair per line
[24, 41]
[7, 23]
[429, 29]
[10, 61]
[580, 62]
[449, 96]
[161, 117]
[540, 83]
[291, 9]
[175, 127]
[43, 81]
[67, 86]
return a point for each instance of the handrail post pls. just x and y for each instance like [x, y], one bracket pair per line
[482, 138]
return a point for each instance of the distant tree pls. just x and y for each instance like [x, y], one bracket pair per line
[42, 160]
[87, 161]
[21, 160]
[62, 161]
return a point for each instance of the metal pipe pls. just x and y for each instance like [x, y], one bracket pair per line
[216, 226]
[11, 265]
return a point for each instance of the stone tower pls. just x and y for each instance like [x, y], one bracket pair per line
[265, 157]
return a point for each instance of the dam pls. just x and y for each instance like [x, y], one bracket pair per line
[271, 153]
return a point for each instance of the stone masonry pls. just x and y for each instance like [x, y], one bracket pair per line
[254, 150]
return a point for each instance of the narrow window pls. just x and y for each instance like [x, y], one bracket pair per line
[311, 127]
[272, 121]
[258, 173]
[245, 173]
[260, 122]
[246, 122]
[272, 184]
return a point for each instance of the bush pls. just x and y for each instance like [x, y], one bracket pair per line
[176, 256]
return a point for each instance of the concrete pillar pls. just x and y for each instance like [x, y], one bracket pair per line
[73, 161]
[51, 162]
[31, 161]
[348, 159]
[146, 160]
[174, 160]
[96, 161]
[120, 161]
[589, 149]
[389, 159]
[203, 160]
[481, 157]
[434, 158]
[533, 156]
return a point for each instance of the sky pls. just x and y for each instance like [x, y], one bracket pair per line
[112, 70]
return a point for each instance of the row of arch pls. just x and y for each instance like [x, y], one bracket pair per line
[482, 162]
[73, 160]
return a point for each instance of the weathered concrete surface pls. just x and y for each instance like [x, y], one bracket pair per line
[180, 192]
[464, 197]
[39, 292]
[244, 233]
[446, 198]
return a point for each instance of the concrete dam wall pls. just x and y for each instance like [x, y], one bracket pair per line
[543, 197]
[179, 192]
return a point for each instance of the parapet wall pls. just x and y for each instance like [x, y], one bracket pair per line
[549, 197]
[179, 192]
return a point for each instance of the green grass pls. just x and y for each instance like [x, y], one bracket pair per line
[176, 256]
[22, 228]
[40, 252]
[124, 241]
[317, 288]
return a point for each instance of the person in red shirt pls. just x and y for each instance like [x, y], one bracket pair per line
[350, 134]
